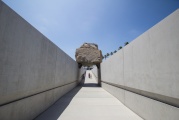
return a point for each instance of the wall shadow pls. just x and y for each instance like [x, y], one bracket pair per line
[91, 85]
[55, 111]
[83, 84]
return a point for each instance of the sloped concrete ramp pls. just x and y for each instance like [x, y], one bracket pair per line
[88, 102]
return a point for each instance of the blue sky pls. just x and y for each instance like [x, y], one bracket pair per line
[108, 23]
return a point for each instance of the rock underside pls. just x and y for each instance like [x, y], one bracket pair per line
[88, 54]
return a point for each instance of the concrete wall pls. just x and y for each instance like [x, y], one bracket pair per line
[33, 71]
[144, 75]
[95, 72]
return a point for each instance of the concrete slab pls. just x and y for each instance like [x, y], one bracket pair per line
[88, 102]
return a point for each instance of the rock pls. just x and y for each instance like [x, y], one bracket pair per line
[88, 54]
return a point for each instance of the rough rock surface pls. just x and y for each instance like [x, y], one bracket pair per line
[88, 54]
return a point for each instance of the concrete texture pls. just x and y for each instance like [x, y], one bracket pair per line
[95, 72]
[144, 106]
[29, 108]
[88, 102]
[34, 73]
[30, 64]
[149, 67]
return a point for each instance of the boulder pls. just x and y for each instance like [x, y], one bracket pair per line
[88, 54]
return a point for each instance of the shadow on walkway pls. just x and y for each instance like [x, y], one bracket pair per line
[83, 84]
[90, 85]
[55, 111]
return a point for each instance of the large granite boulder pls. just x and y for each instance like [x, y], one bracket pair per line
[88, 54]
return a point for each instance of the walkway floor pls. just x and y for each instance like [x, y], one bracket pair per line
[88, 102]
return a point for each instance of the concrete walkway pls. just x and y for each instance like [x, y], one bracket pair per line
[88, 102]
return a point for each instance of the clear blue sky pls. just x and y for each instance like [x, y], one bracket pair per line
[108, 23]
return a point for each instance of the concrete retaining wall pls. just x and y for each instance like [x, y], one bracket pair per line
[144, 75]
[33, 71]
[95, 72]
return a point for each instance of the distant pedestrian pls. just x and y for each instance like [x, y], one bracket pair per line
[89, 75]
